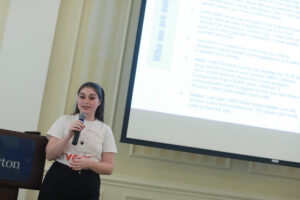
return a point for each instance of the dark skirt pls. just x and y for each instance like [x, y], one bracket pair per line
[63, 183]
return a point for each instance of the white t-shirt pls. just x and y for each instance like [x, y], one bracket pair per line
[95, 138]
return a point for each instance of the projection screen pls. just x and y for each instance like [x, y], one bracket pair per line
[219, 77]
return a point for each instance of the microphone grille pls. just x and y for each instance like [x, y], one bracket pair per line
[82, 116]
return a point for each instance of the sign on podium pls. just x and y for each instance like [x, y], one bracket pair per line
[22, 161]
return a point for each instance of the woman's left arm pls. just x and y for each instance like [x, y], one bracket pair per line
[105, 166]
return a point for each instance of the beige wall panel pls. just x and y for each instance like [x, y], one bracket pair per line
[4, 6]
[61, 63]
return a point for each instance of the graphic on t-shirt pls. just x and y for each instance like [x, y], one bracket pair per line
[71, 156]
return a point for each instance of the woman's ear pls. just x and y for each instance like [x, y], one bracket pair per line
[100, 102]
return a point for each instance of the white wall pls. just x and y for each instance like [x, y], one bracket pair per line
[24, 57]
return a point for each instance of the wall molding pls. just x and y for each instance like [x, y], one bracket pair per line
[136, 197]
[146, 186]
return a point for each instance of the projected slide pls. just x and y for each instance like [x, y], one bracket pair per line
[229, 61]
[218, 76]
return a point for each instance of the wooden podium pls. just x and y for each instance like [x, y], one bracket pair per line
[22, 162]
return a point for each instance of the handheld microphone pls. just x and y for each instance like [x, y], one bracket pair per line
[82, 117]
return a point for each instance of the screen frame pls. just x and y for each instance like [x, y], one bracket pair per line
[125, 139]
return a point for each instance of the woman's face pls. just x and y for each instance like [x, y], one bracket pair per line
[88, 101]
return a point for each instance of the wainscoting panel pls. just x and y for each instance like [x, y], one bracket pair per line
[179, 157]
[274, 170]
[120, 187]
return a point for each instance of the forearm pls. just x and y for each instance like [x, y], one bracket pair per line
[100, 167]
[56, 147]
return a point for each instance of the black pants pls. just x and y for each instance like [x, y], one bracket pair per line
[63, 183]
